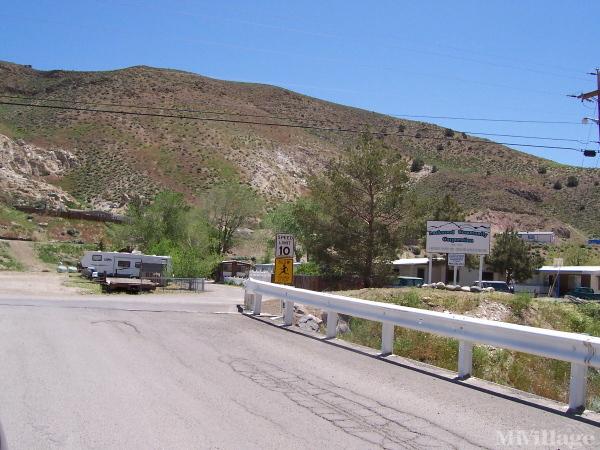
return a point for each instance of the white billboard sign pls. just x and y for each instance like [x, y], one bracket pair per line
[458, 237]
[284, 246]
[456, 259]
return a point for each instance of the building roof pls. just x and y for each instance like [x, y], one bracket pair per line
[571, 269]
[535, 232]
[411, 261]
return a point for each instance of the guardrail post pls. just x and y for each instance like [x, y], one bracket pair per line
[465, 359]
[387, 338]
[288, 312]
[257, 304]
[332, 319]
[577, 387]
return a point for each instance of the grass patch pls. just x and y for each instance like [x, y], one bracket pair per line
[7, 260]
[519, 303]
[542, 376]
[16, 222]
[75, 280]
[67, 253]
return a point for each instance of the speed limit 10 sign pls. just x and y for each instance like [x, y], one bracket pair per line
[284, 245]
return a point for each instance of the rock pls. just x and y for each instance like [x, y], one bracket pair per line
[466, 288]
[440, 285]
[342, 327]
[22, 165]
[488, 289]
[426, 299]
[309, 322]
[299, 310]
[475, 289]
[43, 224]
[324, 316]
[73, 232]
[425, 285]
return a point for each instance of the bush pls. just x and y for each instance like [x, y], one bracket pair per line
[309, 268]
[572, 181]
[542, 170]
[557, 185]
[448, 132]
[434, 169]
[417, 165]
[67, 253]
[519, 303]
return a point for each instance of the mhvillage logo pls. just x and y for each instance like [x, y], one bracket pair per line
[544, 438]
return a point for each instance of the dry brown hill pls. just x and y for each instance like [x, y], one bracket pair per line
[123, 155]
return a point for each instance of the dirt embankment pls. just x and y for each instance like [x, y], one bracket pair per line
[24, 253]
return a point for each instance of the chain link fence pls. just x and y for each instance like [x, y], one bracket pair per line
[166, 284]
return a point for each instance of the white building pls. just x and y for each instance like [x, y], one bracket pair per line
[545, 237]
[419, 267]
[558, 280]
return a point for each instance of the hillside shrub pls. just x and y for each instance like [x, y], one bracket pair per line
[448, 132]
[417, 164]
[309, 268]
[572, 181]
[557, 185]
[519, 303]
[542, 170]
[434, 169]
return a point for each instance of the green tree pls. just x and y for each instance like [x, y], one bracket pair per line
[513, 257]
[147, 224]
[228, 207]
[355, 208]
[448, 210]
[169, 226]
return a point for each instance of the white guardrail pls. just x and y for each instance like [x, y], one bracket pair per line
[580, 350]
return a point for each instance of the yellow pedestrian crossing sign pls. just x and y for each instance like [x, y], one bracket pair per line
[284, 271]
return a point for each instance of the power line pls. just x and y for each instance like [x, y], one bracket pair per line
[274, 124]
[484, 119]
[263, 116]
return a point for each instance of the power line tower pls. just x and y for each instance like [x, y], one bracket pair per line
[588, 96]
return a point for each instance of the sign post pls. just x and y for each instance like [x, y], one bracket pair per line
[456, 260]
[284, 259]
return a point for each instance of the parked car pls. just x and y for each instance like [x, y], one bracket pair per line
[500, 286]
[407, 282]
[585, 293]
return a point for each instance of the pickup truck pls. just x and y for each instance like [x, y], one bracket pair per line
[585, 293]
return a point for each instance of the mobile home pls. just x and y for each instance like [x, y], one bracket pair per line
[127, 265]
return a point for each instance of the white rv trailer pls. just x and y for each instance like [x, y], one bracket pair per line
[127, 265]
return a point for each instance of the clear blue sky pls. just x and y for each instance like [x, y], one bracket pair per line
[499, 59]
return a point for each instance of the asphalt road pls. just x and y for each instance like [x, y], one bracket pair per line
[149, 372]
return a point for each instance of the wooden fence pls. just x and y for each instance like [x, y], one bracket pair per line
[78, 214]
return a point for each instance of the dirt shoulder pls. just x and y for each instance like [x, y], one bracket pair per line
[36, 284]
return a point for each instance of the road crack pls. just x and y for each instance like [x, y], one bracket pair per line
[376, 423]
[122, 322]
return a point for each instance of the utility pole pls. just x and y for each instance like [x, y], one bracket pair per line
[587, 96]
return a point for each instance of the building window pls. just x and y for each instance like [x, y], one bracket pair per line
[123, 264]
[421, 273]
[138, 265]
[96, 257]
